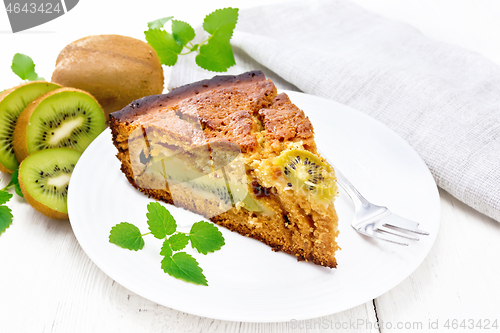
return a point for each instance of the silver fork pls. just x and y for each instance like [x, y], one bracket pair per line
[377, 221]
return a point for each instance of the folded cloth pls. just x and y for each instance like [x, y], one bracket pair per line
[444, 100]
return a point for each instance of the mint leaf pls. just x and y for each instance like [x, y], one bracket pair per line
[216, 56]
[5, 218]
[183, 266]
[164, 44]
[4, 197]
[183, 32]
[205, 237]
[126, 235]
[178, 241]
[161, 222]
[221, 23]
[159, 23]
[166, 250]
[14, 179]
[24, 67]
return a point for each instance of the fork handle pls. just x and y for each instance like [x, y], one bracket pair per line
[356, 197]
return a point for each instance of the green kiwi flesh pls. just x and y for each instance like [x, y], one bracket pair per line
[10, 108]
[45, 177]
[308, 173]
[66, 119]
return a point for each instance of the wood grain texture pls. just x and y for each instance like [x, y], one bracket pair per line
[48, 284]
[459, 278]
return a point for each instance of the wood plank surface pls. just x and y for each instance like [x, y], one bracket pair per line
[48, 284]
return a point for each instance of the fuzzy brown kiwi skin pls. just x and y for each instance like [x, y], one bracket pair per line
[47, 211]
[2, 96]
[115, 69]
[20, 142]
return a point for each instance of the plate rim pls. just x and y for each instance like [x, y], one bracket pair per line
[220, 315]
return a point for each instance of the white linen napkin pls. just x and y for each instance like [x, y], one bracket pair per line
[444, 100]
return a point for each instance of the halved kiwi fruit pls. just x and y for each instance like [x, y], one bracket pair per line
[64, 117]
[308, 173]
[12, 102]
[44, 179]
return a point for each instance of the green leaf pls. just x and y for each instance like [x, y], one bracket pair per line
[183, 32]
[159, 23]
[183, 266]
[164, 44]
[166, 250]
[178, 241]
[161, 222]
[126, 235]
[216, 56]
[4, 197]
[24, 67]
[5, 218]
[221, 23]
[14, 179]
[205, 237]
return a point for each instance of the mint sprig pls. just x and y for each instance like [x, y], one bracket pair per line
[204, 237]
[214, 54]
[24, 67]
[5, 212]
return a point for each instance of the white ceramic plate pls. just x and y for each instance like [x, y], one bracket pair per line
[247, 281]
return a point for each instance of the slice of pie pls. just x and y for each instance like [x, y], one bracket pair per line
[233, 150]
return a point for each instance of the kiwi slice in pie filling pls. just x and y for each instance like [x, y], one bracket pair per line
[12, 102]
[307, 173]
[44, 180]
[65, 117]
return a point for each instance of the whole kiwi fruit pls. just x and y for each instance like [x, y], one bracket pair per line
[115, 69]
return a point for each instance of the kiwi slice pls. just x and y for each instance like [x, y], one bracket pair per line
[307, 173]
[12, 102]
[64, 117]
[44, 179]
[228, 192]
